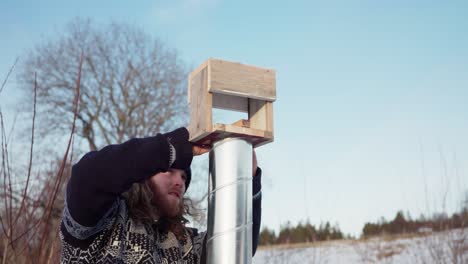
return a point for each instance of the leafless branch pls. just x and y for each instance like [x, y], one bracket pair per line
[132, 86]
[8, 75]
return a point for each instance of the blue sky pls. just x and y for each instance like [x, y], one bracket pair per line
[372, 95]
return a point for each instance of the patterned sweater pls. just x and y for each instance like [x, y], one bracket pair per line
[96, 225]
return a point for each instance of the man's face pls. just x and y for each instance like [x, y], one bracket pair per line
[168, 190]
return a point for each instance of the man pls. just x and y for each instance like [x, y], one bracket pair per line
[125, 204]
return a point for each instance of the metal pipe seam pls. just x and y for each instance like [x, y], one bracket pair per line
[230, 184]
[236, 229]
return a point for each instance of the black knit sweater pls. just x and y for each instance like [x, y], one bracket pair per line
[96, 226]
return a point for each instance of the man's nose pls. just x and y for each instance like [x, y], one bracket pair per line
[178, 179]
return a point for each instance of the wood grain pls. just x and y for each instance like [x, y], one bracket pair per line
[200, 106]
[235, 87]
[241, 80]
[261, 115]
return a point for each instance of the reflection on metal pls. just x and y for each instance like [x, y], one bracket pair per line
[229, 234]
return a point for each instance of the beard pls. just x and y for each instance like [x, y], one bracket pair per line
[167, 205]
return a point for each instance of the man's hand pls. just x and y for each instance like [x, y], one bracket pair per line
[199, 150]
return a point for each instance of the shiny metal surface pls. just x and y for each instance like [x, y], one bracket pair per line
[229, 233]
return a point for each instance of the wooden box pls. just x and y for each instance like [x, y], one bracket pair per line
[236, 87]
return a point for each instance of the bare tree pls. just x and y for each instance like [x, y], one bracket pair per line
[132, 84]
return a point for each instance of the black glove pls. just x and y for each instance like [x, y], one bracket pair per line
[181, 148]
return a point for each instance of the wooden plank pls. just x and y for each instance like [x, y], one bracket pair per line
[261, 115]
[197, 139]
[235, 87]
[242, 123]
[242, 80]
[200, 106]
[188, 89]
[221, 131]
[199, 69]
[242, 130]
[192, 75]
[229, 102]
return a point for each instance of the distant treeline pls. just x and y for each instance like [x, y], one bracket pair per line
[401, 224]
[300, 233]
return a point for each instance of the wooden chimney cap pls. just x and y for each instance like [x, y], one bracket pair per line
[236, 87]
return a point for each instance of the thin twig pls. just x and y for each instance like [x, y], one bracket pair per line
[30, 151]
[37, 224]
[13, 124]
[4, 225]
[64, 160]
[8, 74]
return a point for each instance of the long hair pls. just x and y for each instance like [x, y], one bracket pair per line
[142, 209]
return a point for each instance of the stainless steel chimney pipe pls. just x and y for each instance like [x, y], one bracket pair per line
[229, 231]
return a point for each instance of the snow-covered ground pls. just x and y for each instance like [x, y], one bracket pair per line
[443, 247]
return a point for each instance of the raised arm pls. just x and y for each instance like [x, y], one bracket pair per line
[100, 177]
